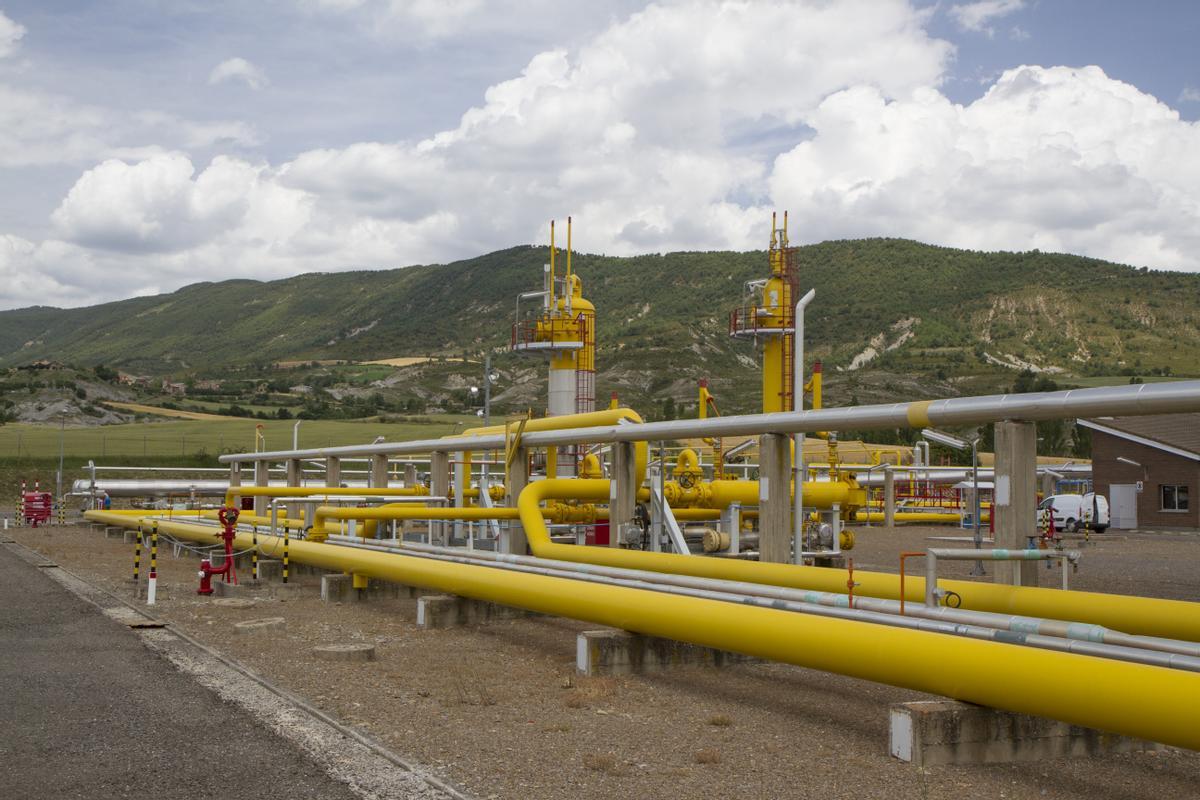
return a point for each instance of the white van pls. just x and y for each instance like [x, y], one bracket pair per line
[1073, 512]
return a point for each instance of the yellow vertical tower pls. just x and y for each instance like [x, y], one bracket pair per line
[564, 332]
[771, 317]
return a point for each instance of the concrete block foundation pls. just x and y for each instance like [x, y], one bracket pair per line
[448, 611]
[613, 652]
[932, 732]
[270, 569]
[335, 588]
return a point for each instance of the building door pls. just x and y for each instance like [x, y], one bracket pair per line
[1124, 505]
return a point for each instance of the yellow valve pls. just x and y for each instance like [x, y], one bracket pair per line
[590, 467]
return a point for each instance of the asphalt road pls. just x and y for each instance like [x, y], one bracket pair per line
[87, 711]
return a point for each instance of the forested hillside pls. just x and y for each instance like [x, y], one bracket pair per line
[892, 318]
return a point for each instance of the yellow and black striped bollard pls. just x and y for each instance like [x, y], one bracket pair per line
[137, 555]
[254, 550]
[152, 587]
[285, 553]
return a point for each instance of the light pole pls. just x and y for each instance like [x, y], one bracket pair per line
[798, 470]
[956, 443]
[489, 378]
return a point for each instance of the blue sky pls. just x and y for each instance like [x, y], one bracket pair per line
[146, 144]
[1152, 45]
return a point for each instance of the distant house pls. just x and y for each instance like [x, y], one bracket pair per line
[177, 389]
[1149, 467]
[126, 379]
[208, 386]
[42, 364]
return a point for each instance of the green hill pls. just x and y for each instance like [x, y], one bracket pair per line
[892, 318]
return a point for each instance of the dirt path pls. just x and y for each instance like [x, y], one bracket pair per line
[138, 408]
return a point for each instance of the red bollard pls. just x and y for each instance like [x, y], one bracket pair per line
[228, 518]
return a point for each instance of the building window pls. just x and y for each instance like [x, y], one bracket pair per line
[1174, 497]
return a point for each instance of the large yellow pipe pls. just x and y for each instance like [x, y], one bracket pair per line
[723, 493]
[914, 517]
[1153, 703]
[1173, 619]
[558, 513]
[321, 491]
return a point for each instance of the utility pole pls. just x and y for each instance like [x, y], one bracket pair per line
[487, 389]
[62, 432]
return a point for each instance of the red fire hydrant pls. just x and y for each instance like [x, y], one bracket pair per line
[228, 518]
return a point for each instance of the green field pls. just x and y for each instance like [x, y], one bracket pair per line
[192, 439]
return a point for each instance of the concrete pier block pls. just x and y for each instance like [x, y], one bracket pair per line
[832, 562]
[345, 652]
[110, 531]
[335, 588]
[222, 589]
[270, 569]
[448, 611]
[614, 652]
[381, 589]
[265, 625]
[129, 536]
[931, 732]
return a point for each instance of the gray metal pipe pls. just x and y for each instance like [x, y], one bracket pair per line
[1079, 647]
[1003, 622]
[932, 595]
[1147, 398]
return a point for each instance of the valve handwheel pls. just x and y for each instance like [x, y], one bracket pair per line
[228, 516]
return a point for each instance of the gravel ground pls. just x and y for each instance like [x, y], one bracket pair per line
[498, 710]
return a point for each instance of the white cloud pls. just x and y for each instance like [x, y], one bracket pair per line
[630, 133]
[37, 128]
[10, 35]
[1189, 95]
[238, 69]
[1057, 159]
[679, 127]
[977, 16]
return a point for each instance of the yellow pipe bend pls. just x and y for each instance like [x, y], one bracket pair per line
[1153, 703]
[589, 419]
[1174, 619]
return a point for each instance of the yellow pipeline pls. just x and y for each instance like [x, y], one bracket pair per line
[557, 513]
[720, 494]
[1153, 703]
[1174, 619]
[321, 491]
[913, 517]
[607, 416]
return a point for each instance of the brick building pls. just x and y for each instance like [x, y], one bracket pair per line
[1149, 468]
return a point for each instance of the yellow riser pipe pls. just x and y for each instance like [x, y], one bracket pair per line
[1153, 703]
[1173, 619]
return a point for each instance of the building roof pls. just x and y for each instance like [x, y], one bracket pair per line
[1174, 433]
